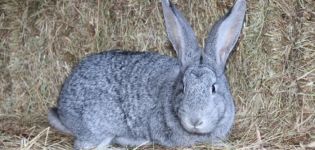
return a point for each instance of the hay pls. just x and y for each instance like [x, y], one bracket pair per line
[272, 72]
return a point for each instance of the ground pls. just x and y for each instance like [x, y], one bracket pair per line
[271, 73]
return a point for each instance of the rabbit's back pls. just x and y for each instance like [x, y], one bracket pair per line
[114, 91]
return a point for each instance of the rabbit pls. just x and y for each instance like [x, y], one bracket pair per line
[134, 98]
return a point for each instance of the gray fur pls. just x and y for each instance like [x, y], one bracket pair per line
[133, 98]
[55, 121]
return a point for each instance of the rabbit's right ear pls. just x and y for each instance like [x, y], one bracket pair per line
[181, 35]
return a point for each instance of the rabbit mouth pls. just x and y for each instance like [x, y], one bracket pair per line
[194, 127]
[196, 131]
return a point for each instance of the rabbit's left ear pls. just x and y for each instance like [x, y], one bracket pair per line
[224, 34]
[181, 35]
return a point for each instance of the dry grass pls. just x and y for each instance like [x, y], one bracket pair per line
[272, 73]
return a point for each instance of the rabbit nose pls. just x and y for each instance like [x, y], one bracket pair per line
[196, 122]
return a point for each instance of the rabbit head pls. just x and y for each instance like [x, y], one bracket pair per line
[203, 99]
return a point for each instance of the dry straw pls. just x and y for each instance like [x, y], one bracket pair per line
[272, 72]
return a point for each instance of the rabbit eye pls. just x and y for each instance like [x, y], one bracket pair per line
[213, 88]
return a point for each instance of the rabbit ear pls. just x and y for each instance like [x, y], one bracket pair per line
[224, 35]
[181, 35]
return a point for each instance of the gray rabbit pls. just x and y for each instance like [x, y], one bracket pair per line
[132, 98]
